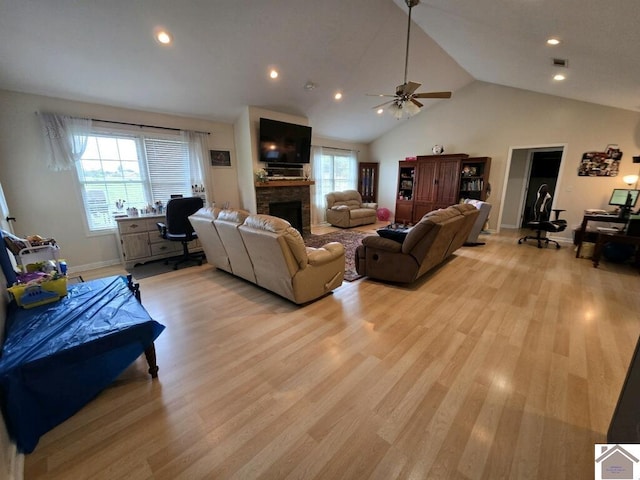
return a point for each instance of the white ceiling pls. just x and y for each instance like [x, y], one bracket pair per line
[104, 52]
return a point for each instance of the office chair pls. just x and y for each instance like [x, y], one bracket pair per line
[541, 222]
[177, 227]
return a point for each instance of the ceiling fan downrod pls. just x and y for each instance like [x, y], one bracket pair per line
[410, 4]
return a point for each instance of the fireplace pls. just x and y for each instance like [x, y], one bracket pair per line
[290, 211]
[287, 192]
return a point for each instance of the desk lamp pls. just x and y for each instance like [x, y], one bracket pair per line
[633, 179]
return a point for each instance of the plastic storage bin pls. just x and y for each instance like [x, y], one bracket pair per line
[29, 296]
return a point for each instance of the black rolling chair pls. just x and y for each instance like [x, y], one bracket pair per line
[541, 222]
[177, 227]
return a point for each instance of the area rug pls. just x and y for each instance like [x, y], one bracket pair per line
[157, 267]
[350, 239]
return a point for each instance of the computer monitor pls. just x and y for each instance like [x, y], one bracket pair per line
[620, 197]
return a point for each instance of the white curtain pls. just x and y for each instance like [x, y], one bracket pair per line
[199, 163]
[333, 170]
[67, 139]
[318, 203]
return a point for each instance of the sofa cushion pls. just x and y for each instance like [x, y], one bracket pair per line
[267, 222]
[337, 208]
[237, 216]
[362, 213]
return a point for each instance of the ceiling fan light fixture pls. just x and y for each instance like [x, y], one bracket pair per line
[411, 109]
[395, 109]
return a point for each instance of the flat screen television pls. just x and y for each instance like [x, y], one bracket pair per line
[284, 144]
[619, 197]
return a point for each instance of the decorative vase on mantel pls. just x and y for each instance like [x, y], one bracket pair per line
[261, 176]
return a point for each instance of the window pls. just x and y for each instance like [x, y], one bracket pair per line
[338, 172]
[333, 170]
[130, 171]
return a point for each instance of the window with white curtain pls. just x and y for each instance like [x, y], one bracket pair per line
[132, 170]
[333, 170]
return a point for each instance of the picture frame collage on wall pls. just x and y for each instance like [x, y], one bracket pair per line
[601, 164]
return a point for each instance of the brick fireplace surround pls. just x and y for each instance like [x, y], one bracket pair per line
[286, 191]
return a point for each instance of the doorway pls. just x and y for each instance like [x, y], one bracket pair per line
[544, 169]
[527, 169]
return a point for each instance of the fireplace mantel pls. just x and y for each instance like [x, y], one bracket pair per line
[285, 183]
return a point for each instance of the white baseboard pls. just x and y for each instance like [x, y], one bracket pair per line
[93, 266]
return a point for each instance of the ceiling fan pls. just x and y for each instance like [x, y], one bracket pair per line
[405, 98]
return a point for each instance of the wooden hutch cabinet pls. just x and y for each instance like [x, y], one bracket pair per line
[438, 181]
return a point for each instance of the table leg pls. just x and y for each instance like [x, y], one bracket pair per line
[597, 251]
[150, 354]
[583, 229]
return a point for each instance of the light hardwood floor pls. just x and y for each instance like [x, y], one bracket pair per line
[506, 362]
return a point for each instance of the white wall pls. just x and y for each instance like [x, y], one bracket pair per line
[486, 120]
[49, 203]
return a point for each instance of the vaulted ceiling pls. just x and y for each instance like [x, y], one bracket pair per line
[218, 63]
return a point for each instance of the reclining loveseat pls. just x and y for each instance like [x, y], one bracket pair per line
[427, 244]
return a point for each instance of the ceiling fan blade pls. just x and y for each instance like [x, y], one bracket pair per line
[416, 102]
[433, 95]
[383, 104]
[378, 95]
[411, 87]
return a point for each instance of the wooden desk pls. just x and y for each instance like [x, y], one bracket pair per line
[596, 218]
[614, 238]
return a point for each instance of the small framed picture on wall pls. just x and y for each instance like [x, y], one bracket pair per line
[220, 158]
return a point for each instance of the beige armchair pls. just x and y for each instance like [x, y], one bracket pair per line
[345, 209]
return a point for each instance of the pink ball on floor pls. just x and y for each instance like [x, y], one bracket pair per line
[383, 214]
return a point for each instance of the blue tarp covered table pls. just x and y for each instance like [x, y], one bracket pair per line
[59, 356]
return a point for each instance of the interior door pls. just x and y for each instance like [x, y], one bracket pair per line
[5, 216]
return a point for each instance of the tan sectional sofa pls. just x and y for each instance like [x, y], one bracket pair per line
[345, 209]
[267, 251]
[428, 243]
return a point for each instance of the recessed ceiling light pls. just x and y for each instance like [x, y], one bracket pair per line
[163, 37]
[338, 96]
[380, 111]
[273, 73]
[553, 41]
[559, 77]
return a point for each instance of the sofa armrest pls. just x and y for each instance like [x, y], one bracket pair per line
[325, 254]
[382, 244]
